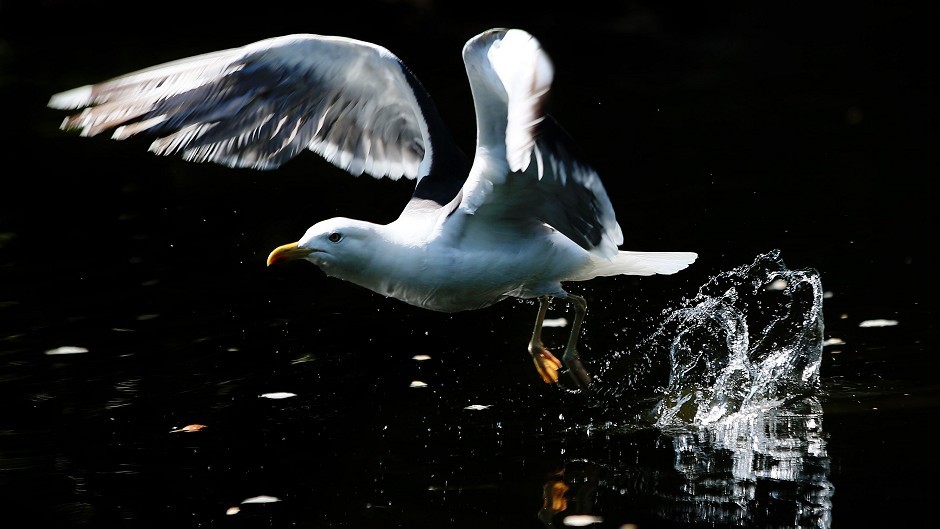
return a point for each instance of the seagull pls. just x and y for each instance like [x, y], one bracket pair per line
[524, 216]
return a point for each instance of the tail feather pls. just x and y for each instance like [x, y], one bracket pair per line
[637, 264]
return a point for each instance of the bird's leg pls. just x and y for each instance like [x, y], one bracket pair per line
[570, 358]
[545, 362]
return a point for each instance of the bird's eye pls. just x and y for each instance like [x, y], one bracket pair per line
[335, 237]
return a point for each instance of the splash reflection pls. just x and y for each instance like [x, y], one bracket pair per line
[761, 468]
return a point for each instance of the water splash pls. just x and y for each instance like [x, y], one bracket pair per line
[750, 339]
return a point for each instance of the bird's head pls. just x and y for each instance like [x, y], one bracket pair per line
[334, 245]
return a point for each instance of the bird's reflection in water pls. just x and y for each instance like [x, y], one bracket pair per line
[573, 504]
[738, 416]
[764, 469]
[554, 495]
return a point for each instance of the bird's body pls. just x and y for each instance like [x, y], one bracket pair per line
[415, 260]
[524, 216]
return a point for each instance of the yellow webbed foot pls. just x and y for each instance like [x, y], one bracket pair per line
[545, 363]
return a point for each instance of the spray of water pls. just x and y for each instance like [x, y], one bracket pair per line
[750, 339]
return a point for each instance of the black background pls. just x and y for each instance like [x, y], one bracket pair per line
[725, 128]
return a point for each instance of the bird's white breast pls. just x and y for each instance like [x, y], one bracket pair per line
[437, 270]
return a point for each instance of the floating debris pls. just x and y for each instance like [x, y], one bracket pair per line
[67, 350]
[189, 428]
[301, 359]
[261, 499]
[878, 323]
[581, 520]
[278, 395]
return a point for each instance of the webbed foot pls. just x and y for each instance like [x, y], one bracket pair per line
[545, 363]
[576, 369]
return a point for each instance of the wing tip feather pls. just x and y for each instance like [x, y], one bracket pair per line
[70, 99]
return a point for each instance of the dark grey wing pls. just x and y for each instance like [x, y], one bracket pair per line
[559, 189]
[574, 200]
[527, 168]
[352, 102]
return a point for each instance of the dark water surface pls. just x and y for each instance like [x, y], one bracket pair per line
[796, 145]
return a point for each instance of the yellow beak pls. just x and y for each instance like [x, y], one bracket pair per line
[288, 252]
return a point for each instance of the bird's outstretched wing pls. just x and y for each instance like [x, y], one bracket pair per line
[354, 103]
[527, 166]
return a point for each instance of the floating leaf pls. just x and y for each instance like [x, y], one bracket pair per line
[878, 323]
[67, 350]
[261, 499]
[278, 395]
[189, 428]
[581, 520]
